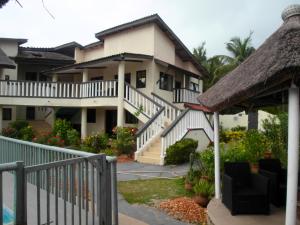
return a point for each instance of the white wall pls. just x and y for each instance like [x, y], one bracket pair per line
[241, 119]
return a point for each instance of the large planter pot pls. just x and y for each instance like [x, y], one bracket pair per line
[200, 200]
[188, 186]
[254, 167]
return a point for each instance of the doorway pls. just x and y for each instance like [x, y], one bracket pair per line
[30, 113]
[110, 120]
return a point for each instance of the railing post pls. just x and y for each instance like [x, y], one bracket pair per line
[114, 195]
[20, 195]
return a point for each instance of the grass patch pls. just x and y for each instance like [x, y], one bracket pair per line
[145, 191]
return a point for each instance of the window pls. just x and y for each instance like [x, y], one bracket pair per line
[194, 86]
[165, 82]
[91, 115]
[6, 113]
[32, 76]
[129, 118]
[141, 79]
[6, 77]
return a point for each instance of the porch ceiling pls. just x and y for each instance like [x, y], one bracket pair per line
[100, 63]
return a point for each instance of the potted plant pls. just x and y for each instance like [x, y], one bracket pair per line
[268, 154]
[203, 192]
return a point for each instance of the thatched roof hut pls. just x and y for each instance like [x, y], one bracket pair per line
[262, 79]
[5, 61]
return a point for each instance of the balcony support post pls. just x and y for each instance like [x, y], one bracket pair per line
[54, 78]
[293, 156]
[85, 75]
[121, 84]
[83, 122]
[217, 156]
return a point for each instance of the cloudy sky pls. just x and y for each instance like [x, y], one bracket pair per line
[194, 21]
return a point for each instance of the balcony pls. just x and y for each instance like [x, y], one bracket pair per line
[184, 95]
[58, 93]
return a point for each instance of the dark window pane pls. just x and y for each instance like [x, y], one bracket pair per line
[91, 115]
[141, 79]
[130, 119]
[32, 76]
[6, 77]
[166, 82]
[97, 78]
[6, 113]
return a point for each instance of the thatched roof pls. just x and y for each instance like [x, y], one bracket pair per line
[5, 61]
[267, 72]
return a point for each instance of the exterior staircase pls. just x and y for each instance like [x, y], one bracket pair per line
[164, 124]
[40, 126]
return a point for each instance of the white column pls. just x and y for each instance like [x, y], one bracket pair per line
[83, 123]
[121, 83]
[54, 78]
[217, 156]
[293, 157]
[184, 81]
[1, 119]
[85, 75]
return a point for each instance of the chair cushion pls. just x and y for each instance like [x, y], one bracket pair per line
[250, 192]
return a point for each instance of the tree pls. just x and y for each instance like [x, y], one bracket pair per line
[240, 50]
[200, 53]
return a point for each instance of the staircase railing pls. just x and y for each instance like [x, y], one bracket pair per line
[171, 111]
[140, 101]
[149, 131]
[188, 119]
[46, 89]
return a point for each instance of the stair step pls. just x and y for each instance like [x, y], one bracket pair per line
[151, 154]
[147, 159]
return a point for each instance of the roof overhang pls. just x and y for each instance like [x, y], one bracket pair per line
[99, 63]
[171, 66]
[5, 61]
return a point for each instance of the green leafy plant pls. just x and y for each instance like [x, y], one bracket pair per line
[204, 188]
[124, 142]
[207, 162]
[139, 111]
[9, 132]
[19, 124]
[238, 128]
[61, 128]
[109, 152]
[255, 145]
[26, 133]
[56, 141]
[73, 137]
[95, 143]
[179, 152]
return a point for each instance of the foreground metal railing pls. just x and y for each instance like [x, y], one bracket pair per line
[70, 187]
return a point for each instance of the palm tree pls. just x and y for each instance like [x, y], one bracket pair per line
[240, 50]
[200, 53]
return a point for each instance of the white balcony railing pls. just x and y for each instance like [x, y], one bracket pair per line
[42, 89]
[183, 95]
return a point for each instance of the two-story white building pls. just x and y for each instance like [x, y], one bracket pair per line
[137, 74]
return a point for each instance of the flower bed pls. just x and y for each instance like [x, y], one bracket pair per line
[185, 209]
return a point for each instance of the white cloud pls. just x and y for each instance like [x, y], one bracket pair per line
[194, 21]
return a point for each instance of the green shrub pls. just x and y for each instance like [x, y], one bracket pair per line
[56, 141]
[180, 151]
[42, 139]
[95, 143]
[109, 152]
[234, 135]
[255, 145]
[207, 162]
[61, 128]
[238, 128]
[234, 152]
[204, 188]
[73, 137]
[9, 132]
[275, 129]
[26, 133]
[124, 143]
[19, 124]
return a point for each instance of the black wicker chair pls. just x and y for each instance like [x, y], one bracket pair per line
[271, 168]
[243, 192]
